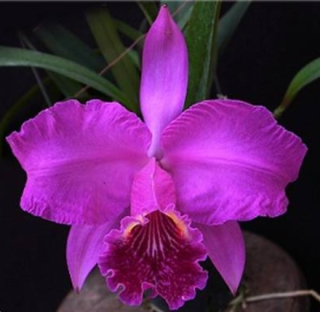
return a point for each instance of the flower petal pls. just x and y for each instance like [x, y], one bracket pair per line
[158, 252]
[80, 161]
[152, 189]
[84, 246]
[226, 249]
[230, 161]
[164, 76]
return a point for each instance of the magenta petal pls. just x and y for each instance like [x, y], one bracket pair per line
[152, 189]
[84, 246]
[226, 249]
[164, 75]
[230, 161]
[159, 252]
[80, 161]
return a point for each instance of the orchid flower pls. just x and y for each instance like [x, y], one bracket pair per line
[147, 201]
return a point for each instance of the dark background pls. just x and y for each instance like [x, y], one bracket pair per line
[272, 43]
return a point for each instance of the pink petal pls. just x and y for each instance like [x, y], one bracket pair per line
[80, 161]
[159, 252]
[84, 246]
[152, 189]
[230, 161]
[164, 76]
[226, 249]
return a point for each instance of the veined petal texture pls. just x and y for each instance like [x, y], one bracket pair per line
[159, 252]
[80, 161]
[164, 76]
[226, 249]
[84, 246]
[230, 161]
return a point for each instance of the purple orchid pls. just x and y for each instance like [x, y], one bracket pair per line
[148, 201]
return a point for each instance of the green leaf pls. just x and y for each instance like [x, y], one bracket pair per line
[22, 57]
[229, 23]
[226, 28]
[201, 39]
[149, 9]
[26, 43]
[107, 38]
[181, 11]
[135, 59]
[127, 30]
[62, 42]
[306, 75]
[13, 111]
[19, 106]
[66, 85]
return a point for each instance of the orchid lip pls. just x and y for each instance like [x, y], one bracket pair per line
[159, 252]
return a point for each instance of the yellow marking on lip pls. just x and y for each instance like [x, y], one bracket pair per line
[129, 228]
[133, 224]
[179, 223]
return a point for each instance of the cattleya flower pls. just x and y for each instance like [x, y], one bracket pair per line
[147, 201]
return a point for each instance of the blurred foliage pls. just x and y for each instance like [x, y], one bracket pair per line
[111, 70]
[304, 76]
[201, 37]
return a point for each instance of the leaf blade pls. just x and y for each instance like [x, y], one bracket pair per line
[149, 10]
[105, 33]
[67, 86]
[21, 57]
[201, 36]
[229, 23]
[11, 114]
[181, 11]
[127, 30]
[60, 41]
[303, 77]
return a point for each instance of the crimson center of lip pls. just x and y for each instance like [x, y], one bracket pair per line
[160, 254]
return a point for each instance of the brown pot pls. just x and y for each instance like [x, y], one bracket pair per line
[268, 270]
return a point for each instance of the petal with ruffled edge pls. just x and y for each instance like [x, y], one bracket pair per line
[226, 249]
[230, 161]
[164, 75]
[156, 248]
[84, 246]
[157, 252]
[80, 160]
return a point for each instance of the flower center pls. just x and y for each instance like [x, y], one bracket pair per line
[157, 239]
[158, 252]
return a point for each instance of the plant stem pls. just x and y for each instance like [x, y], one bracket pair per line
[289, 294]
[243, 300]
